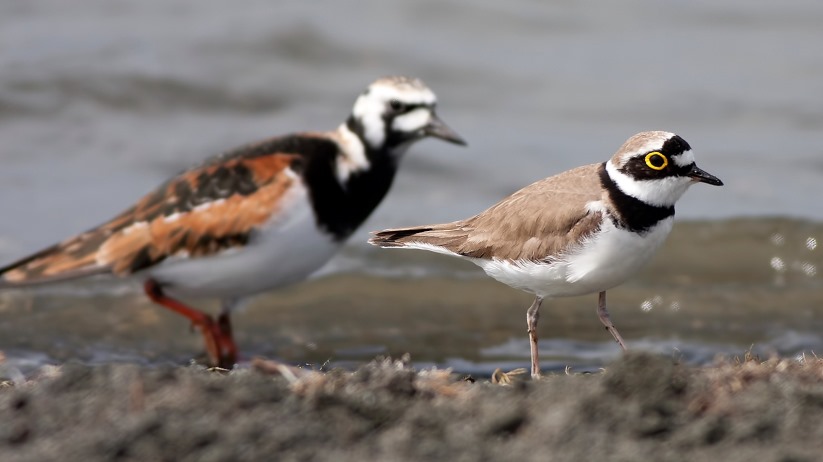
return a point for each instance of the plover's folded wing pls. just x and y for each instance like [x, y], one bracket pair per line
[538, 221]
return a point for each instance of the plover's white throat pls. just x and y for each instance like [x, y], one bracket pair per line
[581, 231]
[253, 219]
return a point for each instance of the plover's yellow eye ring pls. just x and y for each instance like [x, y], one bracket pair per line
[656, 160]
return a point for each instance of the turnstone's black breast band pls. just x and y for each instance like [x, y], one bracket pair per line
[338, 209]
[341, 208]
[633, 214]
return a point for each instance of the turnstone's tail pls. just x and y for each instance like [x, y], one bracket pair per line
[60, 262]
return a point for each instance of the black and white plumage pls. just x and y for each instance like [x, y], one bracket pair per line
[255, 218]
[579, 232]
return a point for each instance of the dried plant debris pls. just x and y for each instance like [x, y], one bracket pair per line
[507, 378]
[380, 373]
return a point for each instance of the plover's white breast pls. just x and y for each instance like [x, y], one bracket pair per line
[604, 260]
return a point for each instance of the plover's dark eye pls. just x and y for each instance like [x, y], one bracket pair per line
[396, 105]
[656, 160]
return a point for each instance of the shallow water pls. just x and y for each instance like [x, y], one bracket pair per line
[101, 102]
[717, 288]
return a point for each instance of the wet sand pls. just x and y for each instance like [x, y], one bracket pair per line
[641, 407]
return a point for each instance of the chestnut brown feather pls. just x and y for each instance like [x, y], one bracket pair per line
[198, 213]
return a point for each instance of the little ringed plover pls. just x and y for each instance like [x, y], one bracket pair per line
[582, 231]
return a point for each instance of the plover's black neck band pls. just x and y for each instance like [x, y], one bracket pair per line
[632, 213]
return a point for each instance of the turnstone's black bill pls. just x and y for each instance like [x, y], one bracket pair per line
[582, 231]
[253, 219]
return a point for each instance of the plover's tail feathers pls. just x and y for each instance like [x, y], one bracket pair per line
[446, 238]
[395, 237]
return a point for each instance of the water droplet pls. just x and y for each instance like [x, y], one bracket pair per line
[778, 239]
[778, 264]
[808, 269]
[811, 243]
[647, 305]
[675, 306]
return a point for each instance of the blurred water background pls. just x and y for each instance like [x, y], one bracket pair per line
[101, 101]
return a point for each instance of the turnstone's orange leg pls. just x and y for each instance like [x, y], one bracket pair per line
[532, 315]
[226, 336]
[220, 347]
[603, 314]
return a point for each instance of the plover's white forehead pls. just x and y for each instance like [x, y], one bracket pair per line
[405, 89]
[643, 143]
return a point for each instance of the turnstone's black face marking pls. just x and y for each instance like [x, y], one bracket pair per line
[396, 111]
[387, 118]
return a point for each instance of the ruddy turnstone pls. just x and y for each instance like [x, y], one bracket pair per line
[579, 232]
[253, 219]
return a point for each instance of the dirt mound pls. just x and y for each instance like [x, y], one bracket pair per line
[640, 408]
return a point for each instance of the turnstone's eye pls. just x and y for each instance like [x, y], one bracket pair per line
[396, 105]
[656, 160]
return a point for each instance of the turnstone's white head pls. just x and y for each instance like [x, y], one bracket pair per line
[656, 167]
[393, 112]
